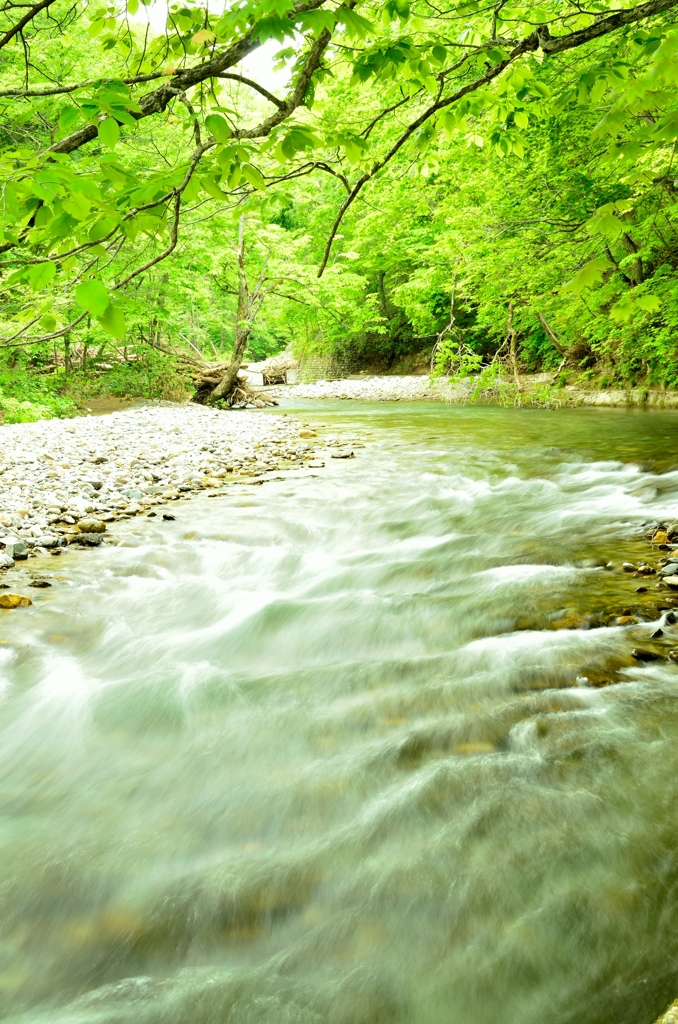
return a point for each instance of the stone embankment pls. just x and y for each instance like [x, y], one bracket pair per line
[64, 482]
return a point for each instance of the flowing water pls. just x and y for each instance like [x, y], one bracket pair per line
[315, 753]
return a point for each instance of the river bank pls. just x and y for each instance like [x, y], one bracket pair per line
[535, 389]
[65, 481]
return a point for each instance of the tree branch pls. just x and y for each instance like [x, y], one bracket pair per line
[253, 85]
[539, 39]
[156, 102]
[16, 29]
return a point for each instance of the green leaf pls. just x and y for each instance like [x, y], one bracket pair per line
[109, 132]
[354, 23]
[648, 303]
[67, 118]
[93, 296]
[102, 228]
[218, 127]
[41, 275]
[439, 54]
[48, 323]
[590, 275]
[316, 21]
[210, 186]
[113, 321]
[622, 310]
[521, 119]
[253, 175]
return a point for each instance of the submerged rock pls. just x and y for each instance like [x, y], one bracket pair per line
[641, 655]
[14, 601]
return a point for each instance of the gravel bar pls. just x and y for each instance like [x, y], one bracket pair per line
[63, 481]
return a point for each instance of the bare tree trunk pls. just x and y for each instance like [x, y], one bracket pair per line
[67, 353]
[249, 304]
[551, 334]
[511, 336]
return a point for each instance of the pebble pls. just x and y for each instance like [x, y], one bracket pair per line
[63, 481]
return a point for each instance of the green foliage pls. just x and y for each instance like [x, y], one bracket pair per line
[511, 149]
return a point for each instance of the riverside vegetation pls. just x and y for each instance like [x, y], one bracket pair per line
[494, 183]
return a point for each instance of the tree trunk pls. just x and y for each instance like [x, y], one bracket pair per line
[511, 335]
[67, 353]
[249, 304]
[551, 334]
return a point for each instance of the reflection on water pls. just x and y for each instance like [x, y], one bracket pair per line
[314, 754]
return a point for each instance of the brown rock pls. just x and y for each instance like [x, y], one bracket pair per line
[91, 526]
[626, 620]
[660, 537]
[14, 601]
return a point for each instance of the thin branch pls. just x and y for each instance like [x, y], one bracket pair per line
[34, 11]
[253, 85]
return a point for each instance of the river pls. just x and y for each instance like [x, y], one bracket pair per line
[314, 753]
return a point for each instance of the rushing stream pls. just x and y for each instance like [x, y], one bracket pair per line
[315, 754]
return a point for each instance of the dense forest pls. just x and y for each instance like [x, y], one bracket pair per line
[471, 178]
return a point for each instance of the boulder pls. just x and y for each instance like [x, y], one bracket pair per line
[16, 549]
[14, 601]
[91, 526]
[6, 562]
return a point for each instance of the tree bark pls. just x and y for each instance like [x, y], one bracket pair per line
[249, 303]
[511, 335]
[551, 334]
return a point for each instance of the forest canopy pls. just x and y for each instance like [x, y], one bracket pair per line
[514, 159]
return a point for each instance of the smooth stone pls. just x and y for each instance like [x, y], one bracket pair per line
[91, 526]
[48, 540]
[343, 453]
[628, 567]
[671, 581]
[6, 562]
[16, 549]
[669, 570]
[14, 601]
[93, 539]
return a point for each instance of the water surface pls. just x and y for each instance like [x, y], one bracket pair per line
[315, 753]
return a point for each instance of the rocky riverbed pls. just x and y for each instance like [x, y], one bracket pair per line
[64, 482]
